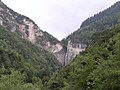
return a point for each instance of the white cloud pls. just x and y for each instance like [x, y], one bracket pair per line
[59, 17]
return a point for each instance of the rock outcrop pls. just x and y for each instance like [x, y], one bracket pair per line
[73, 49]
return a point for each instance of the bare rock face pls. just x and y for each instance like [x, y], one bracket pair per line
[57, 50]
[18, 23]
[73, 49]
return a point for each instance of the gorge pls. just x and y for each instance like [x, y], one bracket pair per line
[87, 59]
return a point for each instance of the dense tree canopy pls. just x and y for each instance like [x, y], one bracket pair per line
[21, 56]
[98, 68]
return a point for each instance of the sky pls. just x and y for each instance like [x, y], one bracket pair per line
[59, 17]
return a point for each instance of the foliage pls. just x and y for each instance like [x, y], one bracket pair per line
[15, 81]
[35, 63]
[96, 69]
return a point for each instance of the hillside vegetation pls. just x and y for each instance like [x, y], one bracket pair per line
[26, 61]
[98, 68]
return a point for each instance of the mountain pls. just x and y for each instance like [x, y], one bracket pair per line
[27, 29]
[25, 62]
[98, 68]
[97, 23]
[30, 56]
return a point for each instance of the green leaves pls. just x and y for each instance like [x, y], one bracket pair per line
[35, 64]
[96, 69]
[15, 81]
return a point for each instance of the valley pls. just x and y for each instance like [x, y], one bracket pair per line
[87, 59]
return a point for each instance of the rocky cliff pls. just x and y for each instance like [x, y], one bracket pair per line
[73, 49]
[24, 26]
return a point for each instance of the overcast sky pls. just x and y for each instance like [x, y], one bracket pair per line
[59, 17]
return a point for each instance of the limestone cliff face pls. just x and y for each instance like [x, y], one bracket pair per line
[73, 49]
[57, 50]
[18, 23]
